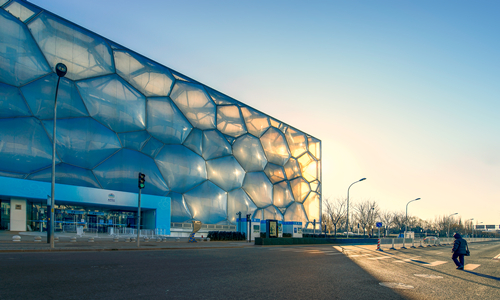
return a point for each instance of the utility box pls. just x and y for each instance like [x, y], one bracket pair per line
[294, 228]
[270, 228]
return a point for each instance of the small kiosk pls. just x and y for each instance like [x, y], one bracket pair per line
[294, 228]
[254, 225]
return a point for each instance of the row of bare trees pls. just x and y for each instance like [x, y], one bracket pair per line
[365, 214]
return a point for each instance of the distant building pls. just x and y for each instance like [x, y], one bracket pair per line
[206, 156]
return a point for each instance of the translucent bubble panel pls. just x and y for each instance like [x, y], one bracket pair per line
[249, 153]
[311, 206]
[225, 172]
[152, 147]
[21, 10]
[67, 174]
[166, 122]
[207, 202]
[300, 189]
[120, 172]
[179, 210]
[134, 140]
[13, 175]
[40, 96]
[275, 173]
[295, 212]
[20, 58]
[24, 145]
[272, 213]
[83, 142]
[12, 103]
[182, 168]
[292, 169]
[257, 123]
[259, 188]
[214, 145]
[282, 195]
[238, 201]
[84, 53]
[314, 185]
[219, 98]
[314, 147]
[296, 141]
[195, 104]
[145, 75]
[194, 141]
[113, 102]
[230, 121]
[308, 167]
[274, 144]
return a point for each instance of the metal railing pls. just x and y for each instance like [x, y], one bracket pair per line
[402, 243]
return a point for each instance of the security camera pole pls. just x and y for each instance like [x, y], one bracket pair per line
[142, 181]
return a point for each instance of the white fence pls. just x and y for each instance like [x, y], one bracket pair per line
[401, 243]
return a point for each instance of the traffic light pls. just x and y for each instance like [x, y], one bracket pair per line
[142, 180]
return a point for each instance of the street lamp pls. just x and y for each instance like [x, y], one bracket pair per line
[347, 223]
[448, 234]
[406, 220]
[61, 72]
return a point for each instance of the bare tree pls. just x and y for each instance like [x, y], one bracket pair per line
[387, 219]
[336, 211]
[365, 213]
[398, 220]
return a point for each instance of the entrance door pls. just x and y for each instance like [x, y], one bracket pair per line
[92, 223]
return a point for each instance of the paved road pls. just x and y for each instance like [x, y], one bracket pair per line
[312, 272]
[429, 273]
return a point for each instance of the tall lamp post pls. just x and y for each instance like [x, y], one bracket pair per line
[448, 234]
[470, 224]
[406, 219]
[61, 72]
[347, 223]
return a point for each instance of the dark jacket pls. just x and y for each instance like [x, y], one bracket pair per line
[460, 245]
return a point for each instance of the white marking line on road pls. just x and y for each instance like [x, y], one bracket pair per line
[438, 252]
[382, 257]
[470, 267]
[497, 257]
[406, 259]
[436, 263]
[357, 255]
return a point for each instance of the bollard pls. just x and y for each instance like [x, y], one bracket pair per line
[404, 240]
[208, 239]
[73, 239]
[421, 246]
[132, 239]
[56, 239]
[159, 239]
[378, 246]
[146, 239]
[16, 238]
[116, 239]
[392, 248]
[413, 243]
[37, 239]
[127, 240]
[178, 239]
[164, 239]
[91, 239]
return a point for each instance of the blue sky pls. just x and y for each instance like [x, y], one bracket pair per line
[405, 93]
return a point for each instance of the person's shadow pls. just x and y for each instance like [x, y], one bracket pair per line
[483, 275]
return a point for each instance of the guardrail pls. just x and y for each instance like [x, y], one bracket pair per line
[402, 243]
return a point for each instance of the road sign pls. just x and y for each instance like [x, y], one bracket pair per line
[379, 224]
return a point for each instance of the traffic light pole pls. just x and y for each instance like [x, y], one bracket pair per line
[139, 219]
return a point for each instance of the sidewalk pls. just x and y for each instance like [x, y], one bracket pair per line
[102, 243]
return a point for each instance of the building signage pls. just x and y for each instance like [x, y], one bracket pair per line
[111, 197]
[479, 226]
[490, 226]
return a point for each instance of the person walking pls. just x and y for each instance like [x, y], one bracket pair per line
[459, 250]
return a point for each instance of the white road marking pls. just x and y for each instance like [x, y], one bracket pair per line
[436, 263]
[438, 252]
[382, 257]
[406, 259]
[497, 257]
[357, 255]
[470, 267]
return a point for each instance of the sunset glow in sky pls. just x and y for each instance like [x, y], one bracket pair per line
[404, 93]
